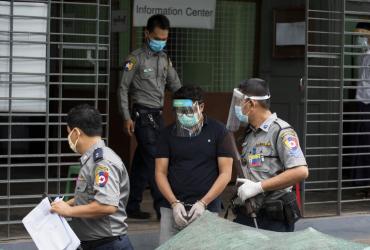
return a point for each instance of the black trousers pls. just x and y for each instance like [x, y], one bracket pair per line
[264, 223]
[121, 243]
[360, 140]
[148, 123]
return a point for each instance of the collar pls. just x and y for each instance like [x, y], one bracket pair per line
[150, 52]
[90, 151]
[267, 123]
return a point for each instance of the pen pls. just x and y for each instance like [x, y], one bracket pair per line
[44, 195]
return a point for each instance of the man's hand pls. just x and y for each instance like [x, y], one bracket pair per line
[61, 208]
[196, 211]
[249, 189]
[179, 214]
[129, 127]
[71, 202]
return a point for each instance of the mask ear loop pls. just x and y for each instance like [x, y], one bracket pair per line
[79, 134]
[197, 111]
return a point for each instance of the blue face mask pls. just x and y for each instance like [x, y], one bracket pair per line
[188, 120]
[242, 117]
[157, 45]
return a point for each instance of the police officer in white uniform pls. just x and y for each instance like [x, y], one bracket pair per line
[148, 71]
[272, 157]
[102, 188]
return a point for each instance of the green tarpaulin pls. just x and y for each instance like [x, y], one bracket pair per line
[212, 232]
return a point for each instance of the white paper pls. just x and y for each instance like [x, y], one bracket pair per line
[48, 230]
[290, 34]
[75, 242]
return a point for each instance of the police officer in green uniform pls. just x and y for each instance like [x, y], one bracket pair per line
[147, 72]
[102, 188]
[272, 157]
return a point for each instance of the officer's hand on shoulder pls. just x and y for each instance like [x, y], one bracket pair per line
[129, 127]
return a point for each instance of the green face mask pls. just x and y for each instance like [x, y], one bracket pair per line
[188, 120]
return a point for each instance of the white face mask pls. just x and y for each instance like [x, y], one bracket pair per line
[72, 145]
[363, 42]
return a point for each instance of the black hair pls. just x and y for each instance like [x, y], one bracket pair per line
[256, 87]
[195, 93]
[86, 118]
[159, 21]
[365, 26]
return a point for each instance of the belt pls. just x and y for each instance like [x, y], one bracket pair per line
[91, 244]
[145, 110]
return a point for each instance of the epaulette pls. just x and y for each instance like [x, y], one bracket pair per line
[137, 52]
[282, 124]
[98, 154]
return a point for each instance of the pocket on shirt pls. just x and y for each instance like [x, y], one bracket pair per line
[271, 165]
[147, 72]
[81, 193]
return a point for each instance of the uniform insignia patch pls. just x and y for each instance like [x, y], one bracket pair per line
[129, 64]
[263, 144]
[98, 154]
[147, 70]
[291, 142]
[255, 160]
[101, 175]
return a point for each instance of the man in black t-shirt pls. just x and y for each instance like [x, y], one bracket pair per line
[193, 163]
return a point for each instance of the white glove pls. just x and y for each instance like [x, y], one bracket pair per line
[196, 210]
[249, 189]
[179, 214]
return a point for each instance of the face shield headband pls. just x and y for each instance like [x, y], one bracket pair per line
[246, 97]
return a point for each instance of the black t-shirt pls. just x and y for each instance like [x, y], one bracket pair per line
[193, 166]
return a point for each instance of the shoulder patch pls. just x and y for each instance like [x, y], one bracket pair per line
[98, 154]
[290, 141]
[101, 175]
[130, 63]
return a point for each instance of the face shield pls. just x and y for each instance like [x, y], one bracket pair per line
[189, 120]
[237, 118]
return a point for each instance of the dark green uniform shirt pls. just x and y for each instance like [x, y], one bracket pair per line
[144, 78]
